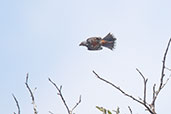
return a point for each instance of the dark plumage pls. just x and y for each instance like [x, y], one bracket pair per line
[96, 43]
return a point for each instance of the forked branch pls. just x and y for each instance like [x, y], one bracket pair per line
[59, 92]
[156, 93]
[145, 85]
[123, 92]
[149, 107]
[76, 104]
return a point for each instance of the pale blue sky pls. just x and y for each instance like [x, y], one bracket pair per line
[42, 37]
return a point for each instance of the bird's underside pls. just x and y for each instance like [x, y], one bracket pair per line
[94, 43]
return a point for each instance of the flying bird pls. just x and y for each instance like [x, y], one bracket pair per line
[96, 43]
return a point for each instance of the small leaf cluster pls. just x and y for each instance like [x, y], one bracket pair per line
[106, 111]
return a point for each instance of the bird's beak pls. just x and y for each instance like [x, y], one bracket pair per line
[83, 43]
[80, 44]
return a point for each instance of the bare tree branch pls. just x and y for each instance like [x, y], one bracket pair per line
[166, 82]
[167, 68]
[60, 94]
[118, 88]
[149, 107]
[130, 110]
[145, 85]
[123, 92]
[31, 93]
[162, 75]
[154, 90]
[163, 65]
[117, 111]
[51, 112]
[76, 104]
[16, 101]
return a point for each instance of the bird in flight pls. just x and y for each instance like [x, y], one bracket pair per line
[96, 43]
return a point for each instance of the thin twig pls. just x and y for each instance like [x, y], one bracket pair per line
[16, 101]
[51, 112]
[117, 111]
[154, 90]
[60, 94]
[167, 68]
[59, 89]
[130, 110]
[31, 93]
[123, 92]
[166, 81]
[145, 84]
[76, 104]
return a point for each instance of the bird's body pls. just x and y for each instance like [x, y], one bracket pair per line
[96, 43]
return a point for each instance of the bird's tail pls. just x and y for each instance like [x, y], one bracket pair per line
[108, 41]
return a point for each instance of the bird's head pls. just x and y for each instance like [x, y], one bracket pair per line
[84, 43]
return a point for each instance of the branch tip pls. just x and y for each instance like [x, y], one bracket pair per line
[16, 101]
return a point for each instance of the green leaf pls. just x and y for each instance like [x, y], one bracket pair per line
[100, 108]
[109, 112]
[104, 111]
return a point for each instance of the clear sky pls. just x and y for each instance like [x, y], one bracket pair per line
[41, 37]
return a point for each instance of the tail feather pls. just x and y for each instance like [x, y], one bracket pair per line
[109, 37]
[110, 41]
